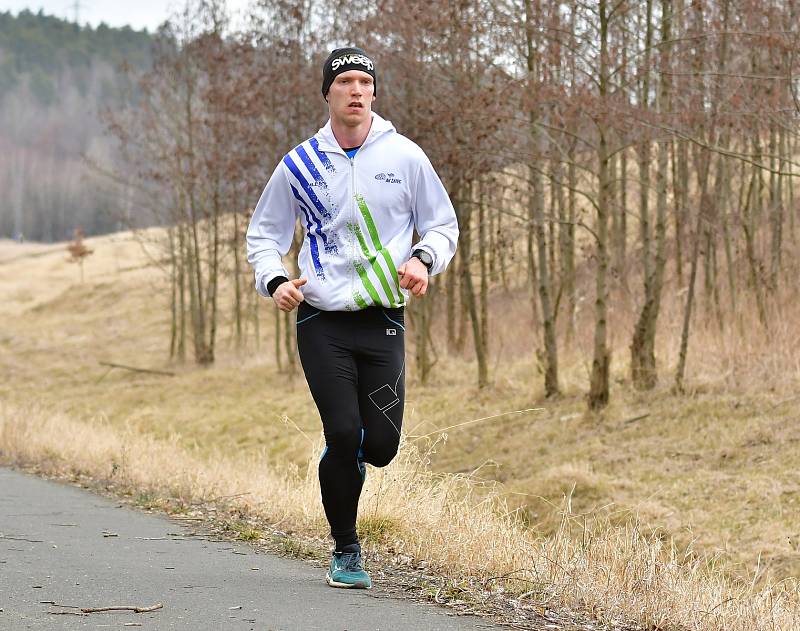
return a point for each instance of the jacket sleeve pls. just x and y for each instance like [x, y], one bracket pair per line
[434, 217]
[269, 235]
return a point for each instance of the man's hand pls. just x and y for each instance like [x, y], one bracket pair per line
[287, 296]
[414, 276]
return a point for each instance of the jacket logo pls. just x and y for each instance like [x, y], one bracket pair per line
[389, 178]
[391, 331]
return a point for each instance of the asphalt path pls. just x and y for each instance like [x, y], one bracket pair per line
[63, 548]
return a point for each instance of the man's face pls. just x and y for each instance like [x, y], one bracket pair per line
[350, 97]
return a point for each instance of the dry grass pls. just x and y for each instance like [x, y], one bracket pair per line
[615, 573]
[685, 517]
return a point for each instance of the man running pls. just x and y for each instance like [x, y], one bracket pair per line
[359, 189]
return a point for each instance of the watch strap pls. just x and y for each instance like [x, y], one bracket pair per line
[421, 255]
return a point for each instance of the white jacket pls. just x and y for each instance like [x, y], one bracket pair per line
[358, 215]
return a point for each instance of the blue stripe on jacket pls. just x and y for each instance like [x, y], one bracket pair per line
[323, 157]
[309, 191]
[312, 239]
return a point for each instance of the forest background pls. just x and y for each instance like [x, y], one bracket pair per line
[55, 79]
[623, 174]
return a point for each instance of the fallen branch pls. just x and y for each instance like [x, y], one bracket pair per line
[135, 369]
[789, 400]
[636, 418]
[219, 497]
[123, 608]
[88, 610]
[20, 539]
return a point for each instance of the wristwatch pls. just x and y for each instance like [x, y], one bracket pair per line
[425, 258]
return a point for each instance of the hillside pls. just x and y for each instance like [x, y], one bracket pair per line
[43, 51]
[56, 79]
[712, 472]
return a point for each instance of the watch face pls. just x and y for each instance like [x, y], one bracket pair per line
[425, 257]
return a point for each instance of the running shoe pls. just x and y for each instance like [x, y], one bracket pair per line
[347, 570]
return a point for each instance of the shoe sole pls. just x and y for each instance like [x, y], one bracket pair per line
[333, 583]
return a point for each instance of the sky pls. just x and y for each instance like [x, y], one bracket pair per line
[138, 14]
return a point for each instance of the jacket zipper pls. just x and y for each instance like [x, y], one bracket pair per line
[355, 223]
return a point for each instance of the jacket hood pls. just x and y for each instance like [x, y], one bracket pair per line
[327, 141]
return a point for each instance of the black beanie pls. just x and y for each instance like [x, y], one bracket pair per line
[344, 59]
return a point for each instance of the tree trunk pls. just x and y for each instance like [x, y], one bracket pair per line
[645, 150]
[687, 313]
[601, 361]
[568, 251]
[748, 227]
[197, 300]
[237, 280]
[423, 311]
[536, 212]
[792, 150]
[182, 291]
[289, 344]
[278, 337]
[173, 293]
[622, 246]
[255, 298]
[213, 277]
[680, 180]
[725, 203]
[470, 302]
[550, 355]
[702, 165]
[463, 272]
[450, 307]
[483, 266]
[776, 210]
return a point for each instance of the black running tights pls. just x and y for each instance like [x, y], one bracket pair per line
[354, 364]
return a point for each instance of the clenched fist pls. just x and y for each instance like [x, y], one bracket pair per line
[414, 276]
[288, 295]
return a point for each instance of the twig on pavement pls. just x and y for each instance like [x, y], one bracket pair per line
[123, 608]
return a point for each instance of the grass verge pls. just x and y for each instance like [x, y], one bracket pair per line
[462, 530]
